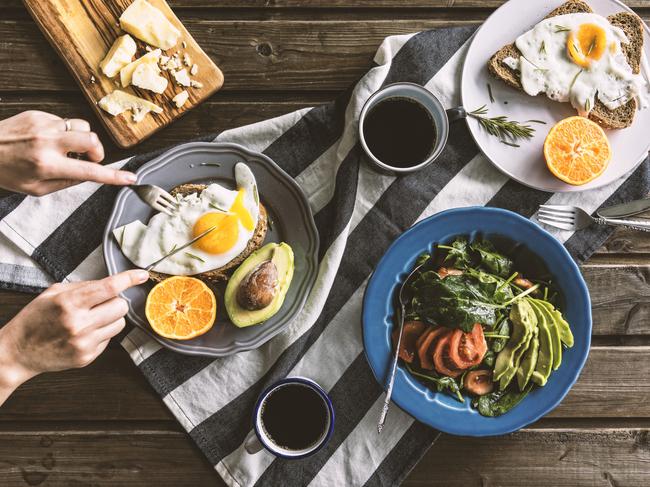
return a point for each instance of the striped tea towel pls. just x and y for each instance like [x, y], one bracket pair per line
[358, 213]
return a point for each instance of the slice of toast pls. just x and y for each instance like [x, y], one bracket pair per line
[222, 273]
[622, 116]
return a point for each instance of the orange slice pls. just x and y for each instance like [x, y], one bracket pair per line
[181, 308]
[577, 150]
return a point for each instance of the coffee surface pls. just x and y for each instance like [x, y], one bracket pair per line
[294, 416]
[399, 132]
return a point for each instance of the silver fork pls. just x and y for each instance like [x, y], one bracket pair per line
[573, 218]
[156, 197]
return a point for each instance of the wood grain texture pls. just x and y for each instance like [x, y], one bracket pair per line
[561, 457]
[613, 384]
[82, 32]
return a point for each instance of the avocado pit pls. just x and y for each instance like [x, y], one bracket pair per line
[259, 287]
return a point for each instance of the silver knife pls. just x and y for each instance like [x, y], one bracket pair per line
[625, 209]
[184, 246]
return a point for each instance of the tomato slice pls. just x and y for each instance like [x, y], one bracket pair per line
[423, 337]
[411, 332]
[478, 382]
[425, 348]
[441, 356]
[467, 349]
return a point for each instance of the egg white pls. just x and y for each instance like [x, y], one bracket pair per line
[545, 66]
[144, 244]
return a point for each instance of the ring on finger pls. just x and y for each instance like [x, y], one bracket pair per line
[68, 125]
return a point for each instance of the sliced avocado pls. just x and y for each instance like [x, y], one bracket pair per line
[553, 329]
[544, 364]
[528, 361]
[563, 327]
[282, 256]
[524, 321]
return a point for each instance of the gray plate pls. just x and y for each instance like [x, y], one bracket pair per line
[292, 222]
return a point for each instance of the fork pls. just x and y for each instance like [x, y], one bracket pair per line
[573, 218]
[156, 197]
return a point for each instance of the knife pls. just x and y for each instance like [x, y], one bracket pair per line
[625, 209]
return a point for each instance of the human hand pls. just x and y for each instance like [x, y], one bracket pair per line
[67, 326]
[34, 149]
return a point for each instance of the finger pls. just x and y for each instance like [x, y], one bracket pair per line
[97, 292]
[108, 312]
[105, 333]
[82, 142]
[67, 168]
[60, 287]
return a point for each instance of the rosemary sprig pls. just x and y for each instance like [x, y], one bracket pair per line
[194, 257]
[587, 105]
[212, 205]
[500, 126]
[542, 47]
[509, 143]
[536, 121]
[575, 78]
[173, 248]
[489, 87]
[561, 28]
[256, 195]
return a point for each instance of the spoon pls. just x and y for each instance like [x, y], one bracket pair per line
[393, 366]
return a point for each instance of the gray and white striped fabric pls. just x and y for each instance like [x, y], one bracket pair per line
[358, 213]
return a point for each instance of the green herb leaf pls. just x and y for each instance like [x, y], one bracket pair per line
[500, 126]
[457, 254]
[212, 205]
[499, 402]
[542, 47]
[503, 328]
[561, 28]
[194, 257]
[489, 87]
[491, 260]
[443, 383]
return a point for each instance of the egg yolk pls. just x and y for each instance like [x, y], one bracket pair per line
[586, 45]
[225, 236]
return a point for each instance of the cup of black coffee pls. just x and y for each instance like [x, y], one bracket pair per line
[294, 418]
[403, 128]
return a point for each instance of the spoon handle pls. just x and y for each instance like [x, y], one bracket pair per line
[393, 370]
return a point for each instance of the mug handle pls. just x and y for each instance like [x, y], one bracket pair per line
[252, 444]
[455, 114]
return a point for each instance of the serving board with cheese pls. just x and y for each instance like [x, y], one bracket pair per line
[133, 56]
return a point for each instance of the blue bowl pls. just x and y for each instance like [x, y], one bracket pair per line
[440, 410]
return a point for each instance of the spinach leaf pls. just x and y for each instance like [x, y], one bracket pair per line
[491, 260]
[458, 254]
[441, 383]
[503, 328]
[455, 301]
[499, 402]
[489, 359]
[422, 258]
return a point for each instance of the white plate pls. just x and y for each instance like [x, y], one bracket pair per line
[526, 163]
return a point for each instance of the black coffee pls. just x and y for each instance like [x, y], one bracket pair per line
[294, 416]
[399, 132]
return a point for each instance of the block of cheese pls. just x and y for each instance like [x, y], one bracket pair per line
[119, 55]
[119, 102]
[126, 73]
[147, 76]
[147, 23]
[180, 99]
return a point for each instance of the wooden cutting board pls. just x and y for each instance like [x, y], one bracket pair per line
[82, 32]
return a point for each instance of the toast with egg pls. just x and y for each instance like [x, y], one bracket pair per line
[631, 24]
[222, 273]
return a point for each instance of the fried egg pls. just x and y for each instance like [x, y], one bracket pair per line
[235, 213]
[577, 58]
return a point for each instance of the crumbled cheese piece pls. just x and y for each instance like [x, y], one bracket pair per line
[182, 78]
[196, 84]
[92, 79]
[187, 60]
[194, 70]
[118, 56]
[147, 76]
[119, 102]
[184, 44]
[148, 48]
[126, 73]
[180, 99]
[149, 24]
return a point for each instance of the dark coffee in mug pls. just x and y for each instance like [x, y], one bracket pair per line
[294, 416]
[399, 132]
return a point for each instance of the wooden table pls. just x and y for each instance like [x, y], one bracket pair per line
[104, 425]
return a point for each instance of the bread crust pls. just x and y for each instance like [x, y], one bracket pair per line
[621, 117]
[222, 273]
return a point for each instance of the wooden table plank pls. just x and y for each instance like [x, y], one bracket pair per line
[613, 384]
[560, 457]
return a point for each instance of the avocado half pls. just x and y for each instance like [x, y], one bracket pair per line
[282, 256]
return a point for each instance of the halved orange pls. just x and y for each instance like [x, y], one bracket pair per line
[181, 308]
[577, 150]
